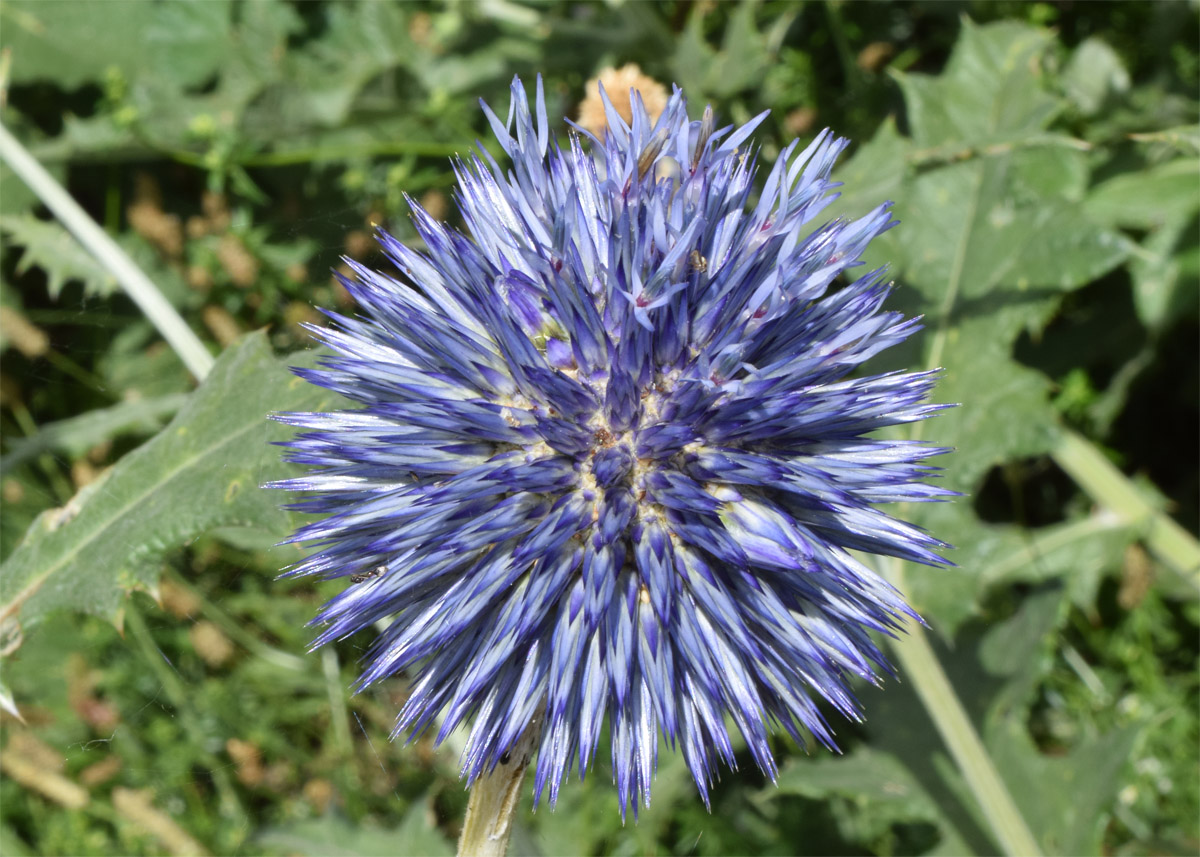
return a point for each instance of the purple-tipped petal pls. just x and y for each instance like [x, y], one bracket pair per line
[608, 455]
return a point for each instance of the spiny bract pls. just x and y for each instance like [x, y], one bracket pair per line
[607, 463]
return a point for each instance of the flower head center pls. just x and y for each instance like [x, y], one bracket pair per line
[611, 463]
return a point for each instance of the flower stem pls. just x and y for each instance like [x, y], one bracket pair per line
[919, 662]
[97, 242]
[1109, 487]
[342, 739]
[494, 799]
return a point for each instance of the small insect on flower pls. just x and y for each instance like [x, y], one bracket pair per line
[615, 451]
[369, 575]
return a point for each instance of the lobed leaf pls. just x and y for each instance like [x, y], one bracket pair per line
[76, 435]
[201, 472]
[1148, 198]
[53, 249]
[994, 231]
[881, 787]
[183, 41]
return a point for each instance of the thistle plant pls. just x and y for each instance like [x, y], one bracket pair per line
[609, 461]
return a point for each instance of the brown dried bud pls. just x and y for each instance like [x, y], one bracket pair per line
[617, 82]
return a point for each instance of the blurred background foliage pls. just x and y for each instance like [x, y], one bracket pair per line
[1043, 160]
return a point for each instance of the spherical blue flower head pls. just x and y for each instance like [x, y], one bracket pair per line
[607, 463]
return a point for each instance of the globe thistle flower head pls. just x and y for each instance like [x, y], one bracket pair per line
[609, 456]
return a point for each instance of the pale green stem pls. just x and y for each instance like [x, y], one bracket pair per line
[495, 796]
[97, 242]
[1038, 545]
[337, 702]
[919, 662]
[1110, 488]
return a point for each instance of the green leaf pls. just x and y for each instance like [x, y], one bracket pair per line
[1079, 554]
[995, 668]
[53, 249]
[44, 38]
[993, 233]
[254, 57]
[1065, 797]
[189, 42]
[1163, 290]
[1094, 75]
[993, 88]
[361, 41]
[458, 73]
[1075, 793]
[739, 64]
[877, 172]
[1050, 171]
[73, 42]
[877, 784]
[76, 435]
[334, 836]
[201, 472]
[974, 246]
[1148, 198]
[93, 138]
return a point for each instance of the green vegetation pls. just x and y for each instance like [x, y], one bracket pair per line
[1043, 159]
